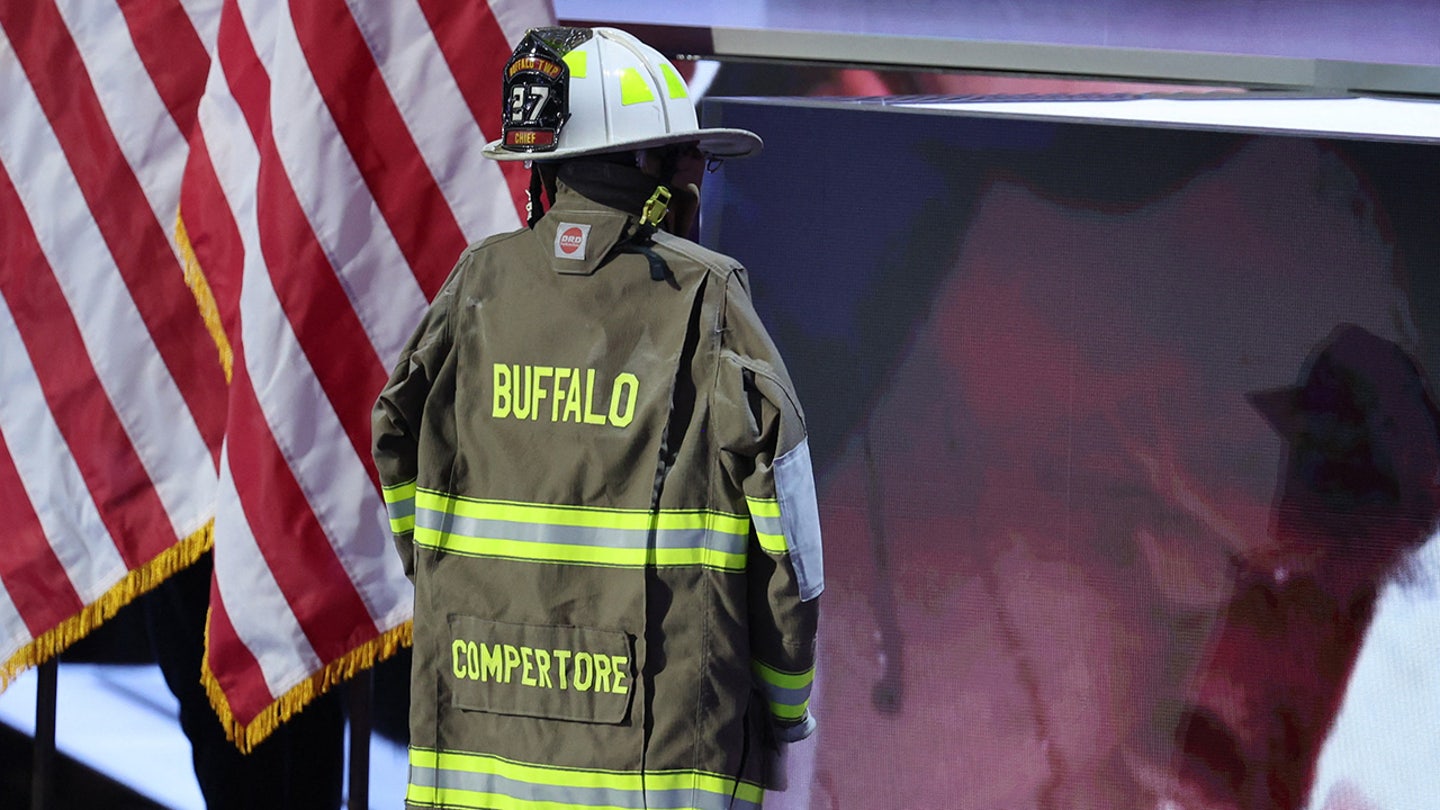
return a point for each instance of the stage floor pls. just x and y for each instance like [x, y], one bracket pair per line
[120, 720]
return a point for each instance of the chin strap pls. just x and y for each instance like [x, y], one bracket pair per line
[534, 205]
[651, 215]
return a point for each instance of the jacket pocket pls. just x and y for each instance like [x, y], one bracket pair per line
[555, 672]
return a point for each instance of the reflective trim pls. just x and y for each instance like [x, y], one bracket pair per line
[396, 493]
[400, 505]
[765, 514]
[577, 62]
[787, 692]
[763, 507]
[633, 88]
[447, 779]
[569, 534]
[673, 83]
[800, 516]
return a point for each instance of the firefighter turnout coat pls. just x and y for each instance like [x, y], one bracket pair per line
[598, 479]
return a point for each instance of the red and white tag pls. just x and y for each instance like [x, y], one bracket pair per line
[570, 240]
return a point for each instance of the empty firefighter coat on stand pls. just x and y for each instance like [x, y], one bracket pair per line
[598, 478]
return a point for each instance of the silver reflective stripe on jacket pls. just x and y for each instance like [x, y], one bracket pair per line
[568, 534]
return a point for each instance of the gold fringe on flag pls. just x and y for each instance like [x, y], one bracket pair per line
[248, 735]
[204, 296]
[134, 584]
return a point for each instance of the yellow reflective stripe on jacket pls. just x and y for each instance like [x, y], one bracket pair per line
[787, 692]
[400, 504]
[580, 535]
[452, 779]
[765, 512]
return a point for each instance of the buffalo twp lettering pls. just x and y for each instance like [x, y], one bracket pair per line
[565, 670]
[563, 395]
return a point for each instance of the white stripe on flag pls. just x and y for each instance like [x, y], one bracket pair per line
[261, 20]
[205, 19]
[135, 378]
[13, 632]
[52, 482]
[515, 18]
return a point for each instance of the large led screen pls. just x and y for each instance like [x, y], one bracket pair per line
[1381, 31]
[1126, 452]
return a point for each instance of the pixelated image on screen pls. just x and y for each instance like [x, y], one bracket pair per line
[1126, 450]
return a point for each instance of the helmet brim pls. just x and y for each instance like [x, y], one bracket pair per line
[713, 142]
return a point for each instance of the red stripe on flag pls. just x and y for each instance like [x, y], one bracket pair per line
[380, 143]
[172, 53]
[476, 51]
[210, 225]
[290, 538]
[319, 311]
[117, 480]
[246, 76]
[32, 574]
[140, 247]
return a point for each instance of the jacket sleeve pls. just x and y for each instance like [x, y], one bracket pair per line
[395, 419]
[770, 458]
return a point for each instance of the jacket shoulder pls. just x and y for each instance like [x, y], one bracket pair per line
[473, 259]
[493, 240]
[712, 261]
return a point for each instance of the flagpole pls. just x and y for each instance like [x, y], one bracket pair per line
[359, 698]
[43, 777]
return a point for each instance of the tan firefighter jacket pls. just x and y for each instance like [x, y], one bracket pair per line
[598, 479]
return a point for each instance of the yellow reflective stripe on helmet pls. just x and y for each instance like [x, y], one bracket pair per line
[787, 692]
[633, 88]
[577, 61]
[479, 780]
[673, 83]
[400, 506]
[765, 513]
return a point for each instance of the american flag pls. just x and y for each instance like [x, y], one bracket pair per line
[112, 402]
[318, 165]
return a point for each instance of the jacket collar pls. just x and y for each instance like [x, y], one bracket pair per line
[597, 206]
[619, 185]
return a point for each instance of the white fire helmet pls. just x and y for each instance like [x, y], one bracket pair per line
[583, 91]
